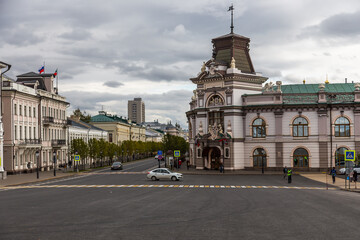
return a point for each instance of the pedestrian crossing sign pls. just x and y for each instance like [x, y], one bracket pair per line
[77, 158]
[349, 155]
[177, 153]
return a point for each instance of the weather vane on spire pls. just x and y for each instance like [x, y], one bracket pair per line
[231, 8]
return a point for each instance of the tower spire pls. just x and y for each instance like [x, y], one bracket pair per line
[231, 8]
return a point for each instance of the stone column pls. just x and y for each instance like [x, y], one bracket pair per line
[279, 149]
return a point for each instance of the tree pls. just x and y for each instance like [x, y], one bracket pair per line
[171, 143]
[103, 146]
[79, 147]
[83, 116]
[94, 149]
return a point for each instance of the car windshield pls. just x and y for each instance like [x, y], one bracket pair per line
[117, 163]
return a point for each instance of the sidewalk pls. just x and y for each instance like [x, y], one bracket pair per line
[193, 171]
[24, 178]
[339, 182]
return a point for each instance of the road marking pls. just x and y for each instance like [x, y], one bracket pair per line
[164, 186]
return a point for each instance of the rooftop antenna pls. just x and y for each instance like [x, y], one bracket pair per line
[231, 8]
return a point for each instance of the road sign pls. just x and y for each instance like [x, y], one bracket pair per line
[160, 157]
[77, 158]
[177, 153]
[349, 155]
[159, 152]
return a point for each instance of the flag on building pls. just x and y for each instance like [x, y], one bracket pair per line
[42, 69]
[55, 73]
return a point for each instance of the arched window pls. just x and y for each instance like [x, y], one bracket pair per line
[215, 100]
[259, 128]
[216, 118]
[340, 156]
[259, 157]
[300, 127]
[301, 158]
[342, 127]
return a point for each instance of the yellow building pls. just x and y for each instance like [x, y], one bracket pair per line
[119, 129]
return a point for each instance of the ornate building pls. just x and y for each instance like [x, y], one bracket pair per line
[236, 121]
[35, 122]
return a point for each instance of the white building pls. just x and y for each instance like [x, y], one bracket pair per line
[237, 122]
[2, 172]
[80, 130]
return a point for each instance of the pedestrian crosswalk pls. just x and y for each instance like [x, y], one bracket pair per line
[112, 173]
[163, 186]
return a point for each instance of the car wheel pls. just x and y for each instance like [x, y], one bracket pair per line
[153, 178]
[173, 178]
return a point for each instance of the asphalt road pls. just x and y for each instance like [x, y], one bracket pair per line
[77, 208]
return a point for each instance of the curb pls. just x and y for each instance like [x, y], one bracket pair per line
[39, 181]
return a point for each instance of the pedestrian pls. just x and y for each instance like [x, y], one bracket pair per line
[285, 172]
[289, 174]
[187, 164]
[355, 175]
[333, 174]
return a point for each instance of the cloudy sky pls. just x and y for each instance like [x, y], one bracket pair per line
[108, 52]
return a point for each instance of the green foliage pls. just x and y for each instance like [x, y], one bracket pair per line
[171, 143]
[83, 116]
[79, 147]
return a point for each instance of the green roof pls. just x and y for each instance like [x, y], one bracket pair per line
[108, 118]
[314, 88]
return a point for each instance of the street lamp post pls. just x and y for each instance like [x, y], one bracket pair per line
[54, 154]
[37, 164]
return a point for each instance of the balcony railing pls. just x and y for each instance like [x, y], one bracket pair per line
[52, 120]
[29, 141]
[58, 143]
[47, 120]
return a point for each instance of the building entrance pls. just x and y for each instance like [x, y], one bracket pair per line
[212, 158]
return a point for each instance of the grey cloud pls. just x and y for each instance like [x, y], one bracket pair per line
[336, 26]
[20, 37]
[76, 35]
[113, 84]
[172, 104]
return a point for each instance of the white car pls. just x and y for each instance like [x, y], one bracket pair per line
[343, 170]
[163, 173]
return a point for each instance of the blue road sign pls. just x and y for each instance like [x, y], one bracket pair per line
[349, 155]
[77, 157]
[159, 152]
[177, 153]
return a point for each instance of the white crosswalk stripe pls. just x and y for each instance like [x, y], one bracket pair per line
[164, 186]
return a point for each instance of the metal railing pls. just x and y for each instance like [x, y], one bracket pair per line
[58, 142]
[29, 141]
[47, 120]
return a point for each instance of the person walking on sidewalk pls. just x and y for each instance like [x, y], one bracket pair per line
[285, 172]
[289, 174]
[333, 174]
[355, 175]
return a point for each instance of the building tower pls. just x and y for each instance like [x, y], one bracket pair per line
[136, 110]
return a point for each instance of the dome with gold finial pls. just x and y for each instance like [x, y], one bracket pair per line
[327, 81]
